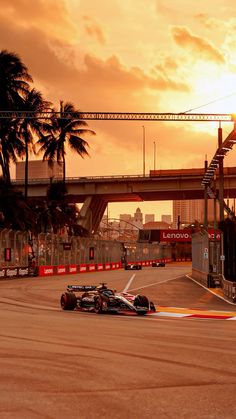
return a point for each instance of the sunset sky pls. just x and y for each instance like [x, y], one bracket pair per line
[131, 56]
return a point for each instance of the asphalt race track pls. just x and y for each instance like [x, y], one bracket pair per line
[57, 364]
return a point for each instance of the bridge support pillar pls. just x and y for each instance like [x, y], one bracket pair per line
[91, 213]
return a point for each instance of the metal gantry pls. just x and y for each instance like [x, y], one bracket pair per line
[144, 116]
[121, 116]
[219, 155]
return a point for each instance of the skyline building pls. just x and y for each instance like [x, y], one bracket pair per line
[149, 218]
[166, 218]
[189, 211]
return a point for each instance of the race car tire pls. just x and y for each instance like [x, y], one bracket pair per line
[141, 301]
[68, 301]
[98, 305]
[152, 306]
[141, 313]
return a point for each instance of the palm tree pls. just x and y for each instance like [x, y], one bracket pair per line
[11, 146]
[64, 130]
[31, 128]
[14, 84]
[14, 80]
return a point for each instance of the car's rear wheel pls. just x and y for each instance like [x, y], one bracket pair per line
[98, 305]
[68, 301]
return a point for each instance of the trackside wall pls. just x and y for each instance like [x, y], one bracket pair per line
[200, 257]
[50, 254]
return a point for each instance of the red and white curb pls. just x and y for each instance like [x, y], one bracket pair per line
[176, 312]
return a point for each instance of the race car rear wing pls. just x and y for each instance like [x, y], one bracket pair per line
[81, 288]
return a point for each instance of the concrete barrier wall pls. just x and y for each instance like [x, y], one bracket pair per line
[229, 289]
[200, 276]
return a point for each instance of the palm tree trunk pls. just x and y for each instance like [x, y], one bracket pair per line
[63, 153]
[26, 169]
[64, 168]
[6, 173]
[2, 166]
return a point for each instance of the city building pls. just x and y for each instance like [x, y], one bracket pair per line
[138, 218]
[149, 217]
[156, 225]
[166, 218]
[186, 212]
[38, 169]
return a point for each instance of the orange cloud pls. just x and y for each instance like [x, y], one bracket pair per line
[52, 16]
[208, 21]
[199, 46]
[61, 70]
[94, 30]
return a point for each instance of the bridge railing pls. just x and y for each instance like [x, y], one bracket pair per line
[160, 173]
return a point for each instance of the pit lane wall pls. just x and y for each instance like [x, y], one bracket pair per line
[49, 254]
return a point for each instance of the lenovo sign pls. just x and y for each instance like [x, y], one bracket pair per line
[175, 236]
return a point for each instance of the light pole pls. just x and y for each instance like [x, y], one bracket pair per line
[154, 155]
[143, 149]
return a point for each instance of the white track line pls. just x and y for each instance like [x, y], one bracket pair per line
[216, 295]
[156, 283]
[129, 283]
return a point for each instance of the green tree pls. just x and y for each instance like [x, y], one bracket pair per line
[63, 131]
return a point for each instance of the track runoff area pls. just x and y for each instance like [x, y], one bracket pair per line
[172, 289]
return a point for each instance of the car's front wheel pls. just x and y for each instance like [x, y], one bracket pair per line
[141, 301]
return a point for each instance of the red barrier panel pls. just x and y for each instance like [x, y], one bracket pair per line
[91, 267]
[83, 268]
[61, 270]
[46, 270]
[72, 269]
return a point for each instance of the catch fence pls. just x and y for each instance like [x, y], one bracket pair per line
[21, 252]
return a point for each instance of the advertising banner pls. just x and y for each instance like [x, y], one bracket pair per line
[175, 235]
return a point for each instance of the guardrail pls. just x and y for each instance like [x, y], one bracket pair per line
[229, 289]
[119, 178]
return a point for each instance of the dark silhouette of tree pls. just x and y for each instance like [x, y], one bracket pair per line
[17, 215]
[11, 146]
[62, 131]
[63, 214]
[14, 81]
[31, 129]
[14, 85]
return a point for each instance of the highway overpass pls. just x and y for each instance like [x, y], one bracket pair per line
[96, 192]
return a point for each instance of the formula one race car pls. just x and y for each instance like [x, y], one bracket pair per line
[158, 264]
[133, 266]
[101, 299]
